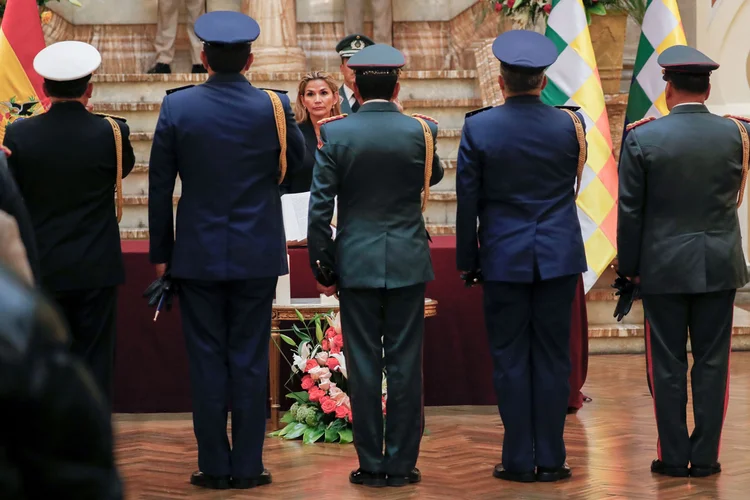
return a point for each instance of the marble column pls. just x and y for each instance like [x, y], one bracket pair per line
[276, 50]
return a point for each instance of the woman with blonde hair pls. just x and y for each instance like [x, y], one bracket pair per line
[317, 99]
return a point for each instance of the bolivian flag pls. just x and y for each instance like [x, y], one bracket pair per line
[21, 39]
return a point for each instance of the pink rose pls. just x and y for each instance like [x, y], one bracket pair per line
[547, 8]
[511, 3]
[350, 416]
[311, 363]
[315, 394]
[307, 382]
[338, 341]
[325, 345]
[319, 372]
[332, 364]
[498, 7]
[337, 394]
[342, 412]
[330, 333]
[322, 358]
[325, 383]
[335, 349]
[346, 403]
[328, 406]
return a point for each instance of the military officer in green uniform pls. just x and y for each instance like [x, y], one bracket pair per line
[375, 162]
[346, 48]
[679, 235]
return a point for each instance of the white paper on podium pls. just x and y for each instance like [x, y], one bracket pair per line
[294, 210]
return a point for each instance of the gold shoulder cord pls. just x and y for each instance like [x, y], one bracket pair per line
[582, 148]
[429, 155]
[280, 117]
[118, 149]
[745, 158]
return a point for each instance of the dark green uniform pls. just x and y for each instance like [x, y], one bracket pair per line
[374, 162]
[679, 231]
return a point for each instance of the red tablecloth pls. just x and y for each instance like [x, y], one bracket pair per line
[151, 371]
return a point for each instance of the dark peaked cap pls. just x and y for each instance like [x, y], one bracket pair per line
[525, 50]
[687, 60]
[226, 28]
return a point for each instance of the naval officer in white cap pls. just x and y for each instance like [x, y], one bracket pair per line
[65, 164]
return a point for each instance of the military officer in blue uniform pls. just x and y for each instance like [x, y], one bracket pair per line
[229, 247]
[679, 235]
[517, 167]
[346, 48]
[374, 161]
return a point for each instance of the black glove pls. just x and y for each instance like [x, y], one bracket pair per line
[162, 287]
[326, 276]
[472, 278]
[628, 292]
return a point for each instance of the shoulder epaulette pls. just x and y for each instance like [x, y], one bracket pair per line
[477, 111]
[332, 119]
[640, 122]
[118, 118]
[172, 91]
[569, 108]
[425, 117]
[5, 150]
[276, 90]
[740, 118]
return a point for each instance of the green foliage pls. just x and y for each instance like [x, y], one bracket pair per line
[346, 436]
[300, 397]
[288, 340]
[312, 417]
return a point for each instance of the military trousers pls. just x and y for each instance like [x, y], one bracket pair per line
[382, 19]
[227, 327]
[707, 320]
[528, 325]
[91, 316]
[166, 29]
[384, 329]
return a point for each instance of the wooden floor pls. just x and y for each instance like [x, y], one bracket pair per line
[611, 443]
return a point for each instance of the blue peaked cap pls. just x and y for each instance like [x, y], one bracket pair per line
[524, 49]
[226, 28]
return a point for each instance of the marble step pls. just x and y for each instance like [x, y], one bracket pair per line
[447, 144]
[439, 84]
[441, 210]
[136, 184]
[450, 113]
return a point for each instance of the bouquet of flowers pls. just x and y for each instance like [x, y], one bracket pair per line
[322, 409]
[525, 13]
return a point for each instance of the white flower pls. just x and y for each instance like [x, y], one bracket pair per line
[319, 372]
[325, 383]
[322, 358]
[342, 363]
[345, 402]
[337, 395]
[299, 361]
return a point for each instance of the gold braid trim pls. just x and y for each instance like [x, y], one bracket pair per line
[429, 155]
[280, 118]
[581, 136]
[118, 150]
[745, 156]
[639, 123]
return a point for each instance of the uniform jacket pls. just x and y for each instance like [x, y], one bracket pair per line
[374, 162]
[65, 165]
[517, 167]
[346, 108]
[57, 436]
[220, 137]
[678, 227]
[300, 180]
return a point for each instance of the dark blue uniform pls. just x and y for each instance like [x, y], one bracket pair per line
[230, 248]
[517, 167]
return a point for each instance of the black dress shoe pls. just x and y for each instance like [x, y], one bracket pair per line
[544, 475]
[160, 69]
[371, 479]
[209, 482]
[412, 478]
[517, 477]
[199, 69]
[245, 483]
[659, 467]
[705, 471]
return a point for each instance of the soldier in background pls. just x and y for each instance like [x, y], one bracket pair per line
[678, 235]
[346, 48]
[65, 163]
[166, 34]
[382, 19]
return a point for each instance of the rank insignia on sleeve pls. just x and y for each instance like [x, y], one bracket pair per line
[118, 118]
[640, 122]
[477, 111]
[425, 117]
[332, 119]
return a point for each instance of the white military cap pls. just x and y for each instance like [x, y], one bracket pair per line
[67, 61]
